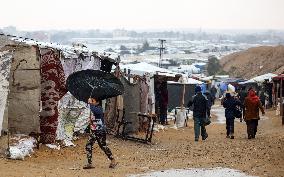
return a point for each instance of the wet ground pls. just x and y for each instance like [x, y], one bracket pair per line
[195, 172]
[170, 149]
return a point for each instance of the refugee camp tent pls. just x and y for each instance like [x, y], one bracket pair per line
[260, 79]
[33, 84]
[140, 81]
[144, 68]
[278, 82]
[261, 83]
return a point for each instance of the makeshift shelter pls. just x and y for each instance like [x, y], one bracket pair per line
[278, 82]
[140, 82]
[74, 115]
[32, 81]
[132, 103]
[145, 68]
[262, 84]
[260, 79]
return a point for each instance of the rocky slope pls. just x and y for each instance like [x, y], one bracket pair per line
[254, 61]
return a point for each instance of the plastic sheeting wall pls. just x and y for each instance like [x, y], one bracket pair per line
[5, 66]
[175, 94]
[131, 100]
[73, 114]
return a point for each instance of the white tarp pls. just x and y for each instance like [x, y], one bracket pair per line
[190, 69]
[5, 66]
[23, 147]
[260, 78]
[207, 78]
[187, 81]
[143, 68]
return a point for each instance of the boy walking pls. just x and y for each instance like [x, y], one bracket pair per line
[97, 133]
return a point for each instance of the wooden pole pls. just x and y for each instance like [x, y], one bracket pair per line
[281, 100]
[276, 96]
[182, 99]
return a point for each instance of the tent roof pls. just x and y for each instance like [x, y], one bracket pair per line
[260, 78]
[143, 68]
[280, 76]
[187, 81]
[67, 50]
[206, 78]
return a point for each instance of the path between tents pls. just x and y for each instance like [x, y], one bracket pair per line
[171, 149]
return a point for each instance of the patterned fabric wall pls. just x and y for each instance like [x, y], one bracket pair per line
[52, 90]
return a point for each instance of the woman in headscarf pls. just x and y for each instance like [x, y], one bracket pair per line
[230, 104]
[252, 105]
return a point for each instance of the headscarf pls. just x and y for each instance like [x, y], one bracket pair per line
[252, 96]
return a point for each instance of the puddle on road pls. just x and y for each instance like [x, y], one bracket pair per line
[195, 172]
[219, 112]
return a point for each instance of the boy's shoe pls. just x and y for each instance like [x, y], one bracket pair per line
[196, 139]
[88, 166]
[113, 164]
[232, 137]
[227, 136]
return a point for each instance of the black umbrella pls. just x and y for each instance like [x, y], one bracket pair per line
[93, 83]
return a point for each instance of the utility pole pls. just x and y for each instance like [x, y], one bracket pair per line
[162, 49]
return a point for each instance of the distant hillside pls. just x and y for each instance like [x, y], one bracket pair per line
[254, 61]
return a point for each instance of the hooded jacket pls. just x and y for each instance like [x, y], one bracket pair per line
[252, 105]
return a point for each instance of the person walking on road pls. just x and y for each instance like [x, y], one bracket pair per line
[230, 104]
[252, 105]
[213, 92]
[97, 133]
[200, 107]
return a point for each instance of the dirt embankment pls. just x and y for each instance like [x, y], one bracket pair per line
[254, 61]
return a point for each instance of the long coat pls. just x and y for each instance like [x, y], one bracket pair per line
[252, 109]
[230, 106]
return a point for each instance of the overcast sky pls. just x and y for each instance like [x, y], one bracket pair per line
[142, 14]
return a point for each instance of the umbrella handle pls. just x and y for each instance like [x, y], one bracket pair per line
[92, 90]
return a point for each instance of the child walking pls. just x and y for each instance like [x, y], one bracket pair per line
[97, 133]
